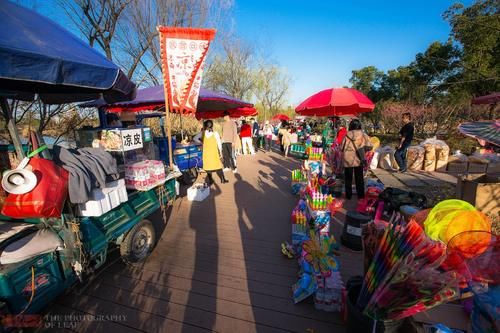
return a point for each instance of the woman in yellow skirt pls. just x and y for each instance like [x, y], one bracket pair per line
[212, 152]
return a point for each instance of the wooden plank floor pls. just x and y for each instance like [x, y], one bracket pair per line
[217, 267]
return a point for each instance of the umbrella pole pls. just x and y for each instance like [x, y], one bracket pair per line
[180, 123]
[11, 126]
[168, 125]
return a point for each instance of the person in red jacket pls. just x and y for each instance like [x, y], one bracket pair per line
[246, 138]
[341, 131]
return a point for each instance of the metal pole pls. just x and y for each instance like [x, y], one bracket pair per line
[168, 125]
[11, 126]
[180, 124]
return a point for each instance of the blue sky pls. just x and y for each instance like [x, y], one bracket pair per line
[320, 42]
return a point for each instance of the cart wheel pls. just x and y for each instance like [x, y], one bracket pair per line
[138, 243]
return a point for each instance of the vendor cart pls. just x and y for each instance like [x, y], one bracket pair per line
[82, 246]
[42, 257]
[187, 157]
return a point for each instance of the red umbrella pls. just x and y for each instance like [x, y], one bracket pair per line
[487, 99]
[335, 102]
[280, 116]
[233, 113]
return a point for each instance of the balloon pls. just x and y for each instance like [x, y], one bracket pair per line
[470, 220]
[441, 215]
[470, 244]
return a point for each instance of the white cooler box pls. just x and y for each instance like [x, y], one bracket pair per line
[104, 200]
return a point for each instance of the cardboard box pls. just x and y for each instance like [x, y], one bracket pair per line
[457, 167]
[482, 191]
[477, 167]
[493, 168]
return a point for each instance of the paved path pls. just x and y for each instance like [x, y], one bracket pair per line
[217, 267]
[436, 186]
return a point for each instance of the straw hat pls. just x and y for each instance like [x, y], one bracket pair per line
[19, 181]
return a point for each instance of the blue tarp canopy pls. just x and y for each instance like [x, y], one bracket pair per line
[37, 56]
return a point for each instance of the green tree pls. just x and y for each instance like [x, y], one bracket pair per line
[477, 30]
[367, 80]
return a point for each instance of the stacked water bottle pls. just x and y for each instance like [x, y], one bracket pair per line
[328, 296]
[299, 222]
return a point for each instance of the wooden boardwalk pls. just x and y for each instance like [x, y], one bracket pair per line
[217, 267]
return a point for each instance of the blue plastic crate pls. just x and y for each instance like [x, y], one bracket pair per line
[194, 149]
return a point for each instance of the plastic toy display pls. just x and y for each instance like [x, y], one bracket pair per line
[319, 274]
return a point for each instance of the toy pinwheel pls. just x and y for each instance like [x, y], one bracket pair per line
[319, 254]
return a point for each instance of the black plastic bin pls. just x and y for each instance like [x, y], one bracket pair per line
[351, 234]
[359, 323]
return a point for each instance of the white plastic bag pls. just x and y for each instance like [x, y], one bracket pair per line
[198, 192]
[386, 158]
[375, 160]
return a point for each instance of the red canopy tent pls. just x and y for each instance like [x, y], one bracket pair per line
[233, 113]
[280, 116]
[335, 102]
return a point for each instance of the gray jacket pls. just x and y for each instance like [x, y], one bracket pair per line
[88, 168]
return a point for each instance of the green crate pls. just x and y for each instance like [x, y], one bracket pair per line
[15, 282]
[170, 187]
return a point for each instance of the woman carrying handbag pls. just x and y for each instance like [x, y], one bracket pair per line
[354, 145]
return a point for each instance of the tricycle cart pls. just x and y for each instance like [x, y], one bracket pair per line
[81, 246]
[40, 258]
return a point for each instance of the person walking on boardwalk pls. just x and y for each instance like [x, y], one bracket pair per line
[268, 135]
[229, 137]
[406, 136]
[353, 156]
[255, 134]
[246, 138]
[212, 152]
[287, 139]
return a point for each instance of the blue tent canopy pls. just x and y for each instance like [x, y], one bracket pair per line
[37, 56]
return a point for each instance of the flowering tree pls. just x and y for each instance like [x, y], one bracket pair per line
[428, 119]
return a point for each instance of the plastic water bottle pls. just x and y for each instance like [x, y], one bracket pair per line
[319, 298]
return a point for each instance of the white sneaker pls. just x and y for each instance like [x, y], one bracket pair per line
[235, 171]
[226, 169]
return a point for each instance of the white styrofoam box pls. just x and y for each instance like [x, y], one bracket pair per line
[197, 192]
[177, 188]
[100, 204]
[120, 188]
[113, 195]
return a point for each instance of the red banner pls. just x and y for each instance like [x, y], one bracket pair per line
[183, 52]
